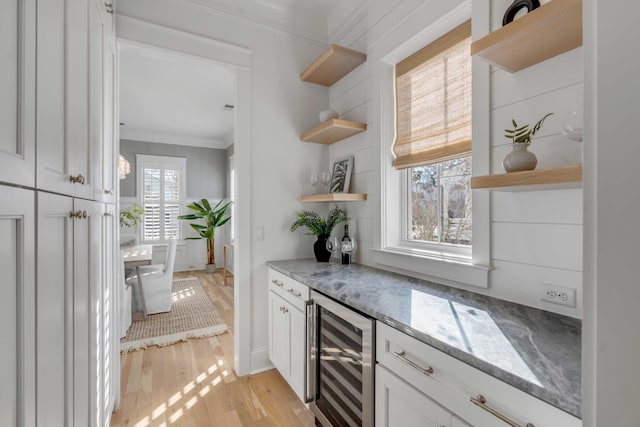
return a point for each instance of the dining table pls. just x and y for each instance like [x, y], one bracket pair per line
[134, 257]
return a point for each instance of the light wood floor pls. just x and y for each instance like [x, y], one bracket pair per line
[193, 383]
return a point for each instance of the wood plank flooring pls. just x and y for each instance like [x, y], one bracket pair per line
[193, 383]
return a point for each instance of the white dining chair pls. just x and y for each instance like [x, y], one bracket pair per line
[125, 299]
[156, 282]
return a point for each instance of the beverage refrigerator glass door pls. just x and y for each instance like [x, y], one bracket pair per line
[341, 363]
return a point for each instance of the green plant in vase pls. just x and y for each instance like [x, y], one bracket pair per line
[320, 228]
[521, 159]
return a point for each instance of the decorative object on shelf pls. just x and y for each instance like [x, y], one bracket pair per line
[572, 125]
[326, 115]
[326, 178]
[321, 228]
[214, 217]
[130, 217]
[521, 159]
[124, 167]
[313, 178]
[516, 7]
[341, 175]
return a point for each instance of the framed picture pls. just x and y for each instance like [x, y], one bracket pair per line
[341, 175]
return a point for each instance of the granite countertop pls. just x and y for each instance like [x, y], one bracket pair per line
[535, 351]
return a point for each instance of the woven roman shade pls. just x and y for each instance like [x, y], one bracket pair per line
[433, 101]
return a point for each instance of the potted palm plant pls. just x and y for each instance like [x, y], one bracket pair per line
[214, 217]
[320, 228]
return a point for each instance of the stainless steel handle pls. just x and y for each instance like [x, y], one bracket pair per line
[108, 214]
[277, 282]
[402, 356]
[109, 192]
[308, 397]
[294, 293]
[78, 179]
[482, 402]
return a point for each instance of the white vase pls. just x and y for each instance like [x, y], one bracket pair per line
[520, 159]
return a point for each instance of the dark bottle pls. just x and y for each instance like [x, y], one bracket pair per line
[346, 244]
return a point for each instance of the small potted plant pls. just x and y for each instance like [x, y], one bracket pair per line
[214, 217]
[130, 217]
[321, 228]
[521, 159]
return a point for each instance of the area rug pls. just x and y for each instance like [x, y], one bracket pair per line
[192, 315]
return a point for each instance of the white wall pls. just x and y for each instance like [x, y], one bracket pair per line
[282, 108]
[611, 337]
[536, 237]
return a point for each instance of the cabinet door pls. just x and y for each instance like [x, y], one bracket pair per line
[399, 404]
[106, 326]
[17, 307]
[87, 322]
[62, 110]
[54, 311]
[297, 350]
[101, 79]
[279, 335]
[17, 92]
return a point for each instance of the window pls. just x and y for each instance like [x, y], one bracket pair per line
[433, 143]
[161, 184]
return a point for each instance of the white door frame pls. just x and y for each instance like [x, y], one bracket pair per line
[151, 35]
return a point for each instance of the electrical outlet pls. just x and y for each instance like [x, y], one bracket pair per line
[558, 294]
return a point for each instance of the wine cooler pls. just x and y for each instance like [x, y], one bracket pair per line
[341, 364]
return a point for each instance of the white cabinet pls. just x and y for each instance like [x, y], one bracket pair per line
[17, 307]
[453, 384]
[288, 329]
[73, 263]
[18, 92]
[399, 404]
[65, 147]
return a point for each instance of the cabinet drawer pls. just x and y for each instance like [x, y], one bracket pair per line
[453, 384]
[291, 290]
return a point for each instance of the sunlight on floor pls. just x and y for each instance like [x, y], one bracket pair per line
[205, 379]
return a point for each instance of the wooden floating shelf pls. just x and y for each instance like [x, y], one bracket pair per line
[334, 197]
[332, 131]
[537, 179]
[541, 34]
[332, 65]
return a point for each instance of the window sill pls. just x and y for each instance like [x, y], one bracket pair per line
[443, 269]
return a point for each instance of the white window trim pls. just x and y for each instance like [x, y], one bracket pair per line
[143, 160]
[448, 268]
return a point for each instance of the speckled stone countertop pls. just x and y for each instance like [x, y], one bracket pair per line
[533, 350]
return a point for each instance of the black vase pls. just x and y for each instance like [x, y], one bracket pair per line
[320, 249]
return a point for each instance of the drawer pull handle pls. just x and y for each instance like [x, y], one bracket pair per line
[277, 282]
[482, 402]
[402, 356]
[78, 179]
[294, 293]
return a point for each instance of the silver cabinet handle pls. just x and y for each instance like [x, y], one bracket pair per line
[402, 356]
[482, 402]
[308, 397]
[277, 282]
[294, 293]
[109, 192]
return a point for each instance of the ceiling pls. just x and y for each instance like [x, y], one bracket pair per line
[167, 97]
[171, 98]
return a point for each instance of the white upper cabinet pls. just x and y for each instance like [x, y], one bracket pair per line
[65, 153]
[17, 92]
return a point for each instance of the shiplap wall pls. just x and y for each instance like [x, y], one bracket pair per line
[536, 237]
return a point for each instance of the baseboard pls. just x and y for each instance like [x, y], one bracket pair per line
[260, 360]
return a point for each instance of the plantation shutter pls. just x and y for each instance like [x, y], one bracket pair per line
[433, 101]
[151, 203]
[162, 196]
